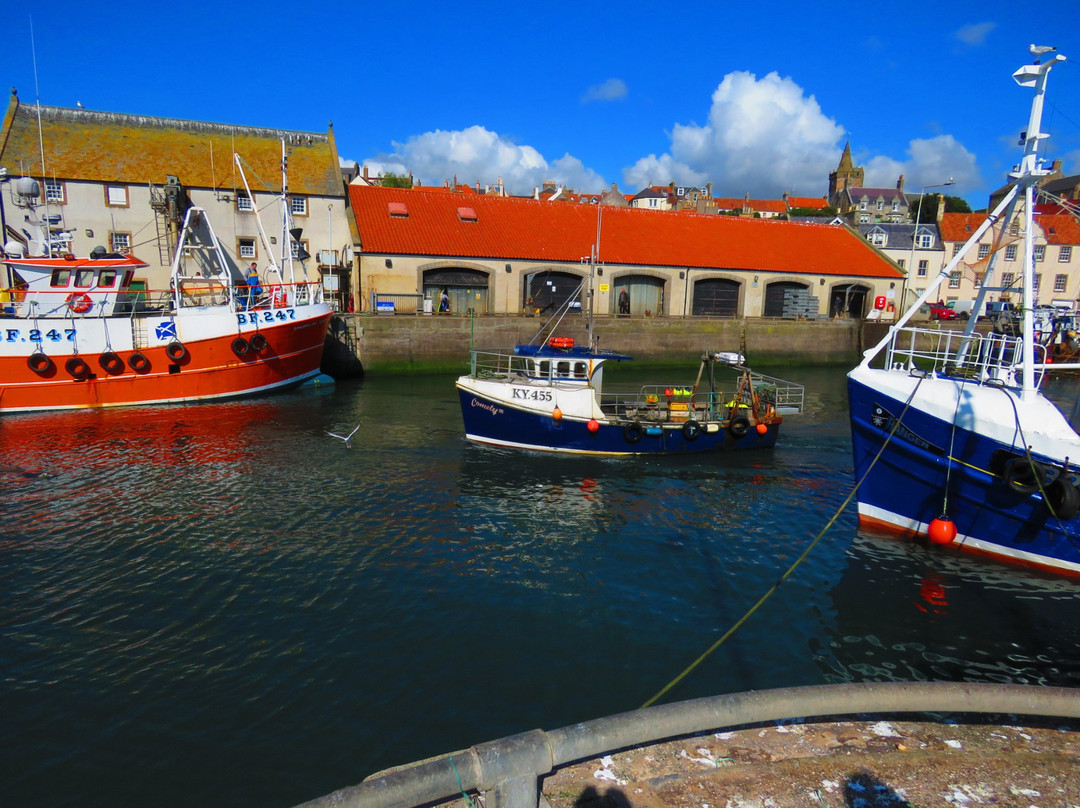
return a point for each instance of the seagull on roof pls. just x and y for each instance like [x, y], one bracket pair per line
[346, 438]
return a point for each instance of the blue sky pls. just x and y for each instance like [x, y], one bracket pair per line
[756, 98]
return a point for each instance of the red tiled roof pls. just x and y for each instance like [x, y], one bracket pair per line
[1060, 229]
[812, 202]
[960, 226]
[773, 205]
[524, 229]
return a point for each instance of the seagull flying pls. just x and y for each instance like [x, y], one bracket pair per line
[346, 438]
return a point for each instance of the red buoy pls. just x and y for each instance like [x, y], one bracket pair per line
[762, 429]
[593, 425]
[556, 414]
[941, 530]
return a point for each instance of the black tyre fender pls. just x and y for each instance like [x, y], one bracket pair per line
[40, 363]
[111, 363]
[138, 362]
[77, 367]
[691, 430]
[1022, 474]
[1063, 499]
[258, 343]
[739, 426]
[633, 432]
[176, 351]
[241, 347]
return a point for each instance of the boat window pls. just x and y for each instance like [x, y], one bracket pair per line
[84, 277]
[563, 368]
[107, 277]
[579, 369]
[61, 277]
[545, 368]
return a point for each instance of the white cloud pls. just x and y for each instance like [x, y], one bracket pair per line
[478, 154]
[610, 90]
[763, 137]
[975, 33]
[930, 162]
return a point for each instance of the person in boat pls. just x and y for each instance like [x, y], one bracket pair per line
[255, 289]
[444, 302]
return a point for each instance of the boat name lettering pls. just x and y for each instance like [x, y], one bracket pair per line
[885, 420]
[252, 318]
[36, 335]
[525, 394]
[489, 407]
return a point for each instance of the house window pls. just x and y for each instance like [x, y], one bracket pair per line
[1036, 280]
[120, 242]
[1065, 254]
[925, 241]
[880, 205]
[923, 266]
[1060, 281]
[116, 196]
[956, 249]
[300, 248]
[863, 205]
[1014, 228]
[900, 263]
[1010, 252]
[298, 205]
[55, 192]
[244, 203]
[864, 218]
[954, 280]
[984, 250]
[877, 238]
[245, 248]
[1007, 279]
[978, 279]
[1040, 252]
[895, 206]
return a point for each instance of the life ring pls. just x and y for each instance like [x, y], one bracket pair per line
[1022, 475]
[1063, 499]
[739, 426]
[176, 351]
[40, 363]
[111, 363]
[241, 346]
[691, 430]
[258, 342]
[138, 362]
[633, 432]
[564, 343]
[79, 302]
[77, 367]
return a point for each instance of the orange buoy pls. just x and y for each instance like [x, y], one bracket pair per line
[762, 429]
[942, 530]
[556, 414]
[593, 425]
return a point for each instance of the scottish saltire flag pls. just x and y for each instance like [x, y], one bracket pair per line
[166, 330]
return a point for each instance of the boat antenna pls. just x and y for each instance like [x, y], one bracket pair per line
[41, 141]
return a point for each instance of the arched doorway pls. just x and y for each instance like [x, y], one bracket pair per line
[849, 300]
[550, 291]
[716, 297]
[643, 295]
[789, 299]
[466, 288]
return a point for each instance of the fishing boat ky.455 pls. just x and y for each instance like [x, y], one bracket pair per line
[951, 436]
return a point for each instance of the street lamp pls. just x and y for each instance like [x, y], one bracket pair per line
[915, 226]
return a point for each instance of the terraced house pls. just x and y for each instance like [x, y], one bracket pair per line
[123, 182]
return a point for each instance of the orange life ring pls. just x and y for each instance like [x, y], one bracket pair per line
[79, 302]
[561, 342]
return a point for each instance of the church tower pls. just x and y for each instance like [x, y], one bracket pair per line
[846, 176]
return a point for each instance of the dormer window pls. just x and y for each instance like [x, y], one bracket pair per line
[877, 237]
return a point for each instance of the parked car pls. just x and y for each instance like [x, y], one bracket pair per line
[939, 311]
[999, 307]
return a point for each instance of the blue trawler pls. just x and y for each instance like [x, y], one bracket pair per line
[952, 439]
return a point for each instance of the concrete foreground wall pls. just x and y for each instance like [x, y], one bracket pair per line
[396, 343]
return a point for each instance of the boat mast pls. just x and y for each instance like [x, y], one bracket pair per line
[1026, 176]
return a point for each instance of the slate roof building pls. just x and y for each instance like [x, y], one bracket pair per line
[123, 182]
[508, 255]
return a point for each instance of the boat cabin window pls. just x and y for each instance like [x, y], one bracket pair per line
[107, 278]
[580, 369]
[84, 277]
[60, 277]
[563, 368]
[545, 369]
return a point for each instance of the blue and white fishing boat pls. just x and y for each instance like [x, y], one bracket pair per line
[549, 396]
[952, 439]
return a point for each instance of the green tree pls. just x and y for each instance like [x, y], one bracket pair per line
[392, 180]
[929, 210]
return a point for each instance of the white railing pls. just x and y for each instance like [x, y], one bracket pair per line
[979, 357]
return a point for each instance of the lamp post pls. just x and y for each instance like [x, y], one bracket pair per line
[915, 226]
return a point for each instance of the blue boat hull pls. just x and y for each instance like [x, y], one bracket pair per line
[495, 423]
[917, 478]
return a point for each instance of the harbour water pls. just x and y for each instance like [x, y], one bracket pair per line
[224, 605]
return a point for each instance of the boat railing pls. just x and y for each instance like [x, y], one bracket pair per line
[992, 357]
[657, 402]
